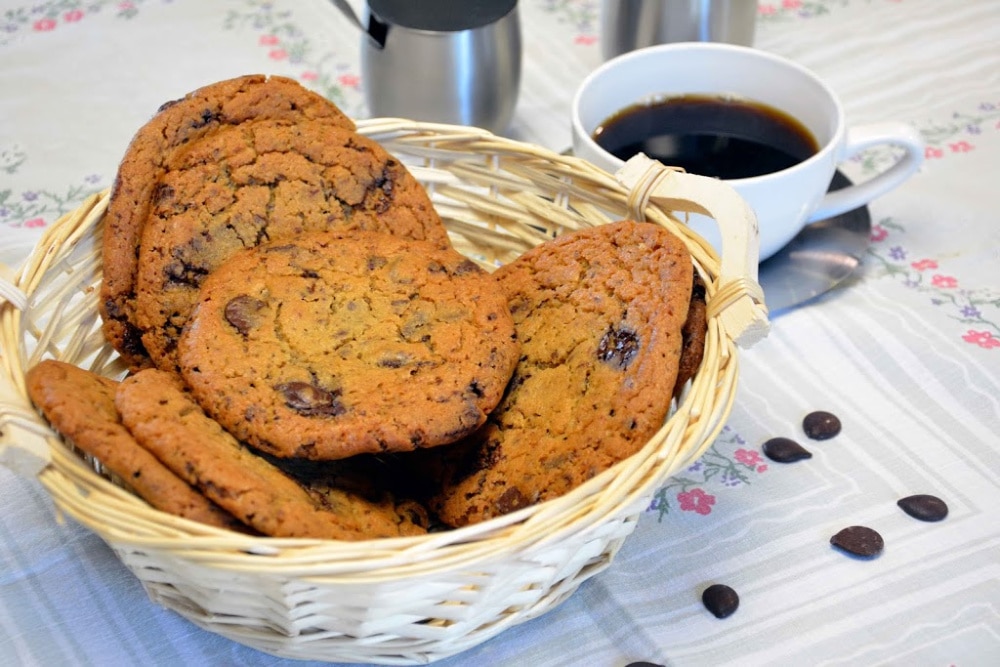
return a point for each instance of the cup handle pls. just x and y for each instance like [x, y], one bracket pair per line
[862, 138]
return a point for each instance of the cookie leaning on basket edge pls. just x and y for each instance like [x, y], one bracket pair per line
[427, 596]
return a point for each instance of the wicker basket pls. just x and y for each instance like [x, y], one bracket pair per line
[401, 600]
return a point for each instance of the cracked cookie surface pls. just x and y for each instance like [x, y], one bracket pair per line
[329, 345]
[599, 315]
[166, 420]
[257, 182]
[175, 125]
[81, 406]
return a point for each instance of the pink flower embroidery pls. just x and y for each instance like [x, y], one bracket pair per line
[762, 468]
[791, 4]
[747, 457]
[924, 264]
[933, 153]
[766, 10]
[277, 54]
[268, 40]
[126, 5]
[35, 222]
[349, 80]
[879, 233]
[309, 76]
[585, 40]
[73, 16]
[44, 25]
[983, 339]
[696, 500]
[943, 281]
[961, 147]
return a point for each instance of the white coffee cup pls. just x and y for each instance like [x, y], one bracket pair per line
[784, 201]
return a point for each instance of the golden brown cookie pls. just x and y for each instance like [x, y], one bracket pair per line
[81, 406]
[176, 124]
[166, 420]
[263, 182]
[599, 315]
[324, 346]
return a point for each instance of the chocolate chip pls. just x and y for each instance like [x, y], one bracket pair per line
[721, 600]
[618, 347]
[310, 400]
[785, 450]
[511, 500]
[859, 540]
[924, 507]
[821, 425]
[241, 312]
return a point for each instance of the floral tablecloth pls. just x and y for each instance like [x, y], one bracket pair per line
[906, 352]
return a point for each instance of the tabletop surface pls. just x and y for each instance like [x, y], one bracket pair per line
[906, 352]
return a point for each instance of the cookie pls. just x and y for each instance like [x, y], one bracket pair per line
[599, 314]
[166, 420]
[693, 335]
[179, 123]
[258, 182]
[325, 346]
[81, 406]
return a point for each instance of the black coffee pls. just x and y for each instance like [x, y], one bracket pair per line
[710, 136]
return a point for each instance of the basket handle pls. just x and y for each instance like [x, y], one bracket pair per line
[738, 299]
[23, 446]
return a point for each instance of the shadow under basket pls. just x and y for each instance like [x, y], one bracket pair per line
[403, 600]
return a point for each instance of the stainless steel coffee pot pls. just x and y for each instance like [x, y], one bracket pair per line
[633, 24]
[448, 61]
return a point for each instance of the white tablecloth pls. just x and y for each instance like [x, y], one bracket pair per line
[906, 352]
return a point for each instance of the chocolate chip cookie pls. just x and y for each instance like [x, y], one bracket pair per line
[599, 315]
[328, 345]
[258, 182]
[177, 124]
[166, 420]
[81, 406]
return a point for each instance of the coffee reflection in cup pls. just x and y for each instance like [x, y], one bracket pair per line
[710, 135]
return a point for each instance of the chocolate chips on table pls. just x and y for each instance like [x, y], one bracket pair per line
[821, 425]
[924, 507]
[785, 450]
[721, 600]
[859, 541]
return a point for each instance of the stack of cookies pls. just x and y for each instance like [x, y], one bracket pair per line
[309, 357]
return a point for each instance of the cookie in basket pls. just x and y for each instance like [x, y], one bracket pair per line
[599, 314]
[693, 335]
[80, 405]
[166, 420]
[329, 345]
[176, 124]
[259, 182]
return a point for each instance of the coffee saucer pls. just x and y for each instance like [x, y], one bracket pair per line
[820, 257]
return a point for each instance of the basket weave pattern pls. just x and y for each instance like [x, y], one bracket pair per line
[392, 601]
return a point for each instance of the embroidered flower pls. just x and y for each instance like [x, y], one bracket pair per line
[585, 40]
[40, 222]
[349, 80]
[791, 4]
[44, 25]
[748, 457]
[897, 253]
[983, 339]
[696, 500]
[961, 147]
[943, 281]
[267, 40]
[73, 16]
[767, 10]
[932, 153]
[762, 468]
[971, 312]
[924, 264]
[309, 76]
[277, 54]
[879, 233]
